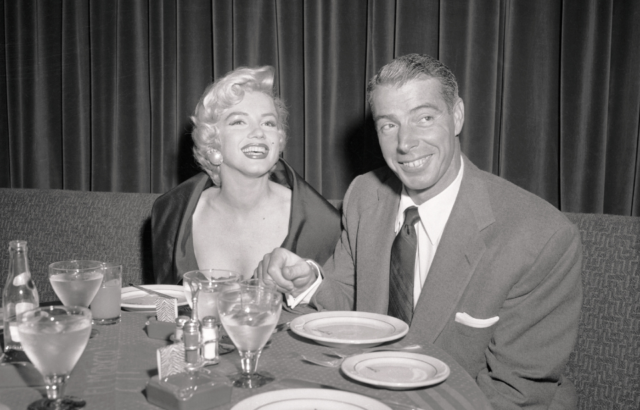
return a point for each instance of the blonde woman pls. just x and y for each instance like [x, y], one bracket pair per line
[248, 201]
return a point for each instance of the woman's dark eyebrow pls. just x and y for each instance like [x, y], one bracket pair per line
[236, 113]
[246, 115]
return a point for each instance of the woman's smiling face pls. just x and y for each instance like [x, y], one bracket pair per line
[249, 136]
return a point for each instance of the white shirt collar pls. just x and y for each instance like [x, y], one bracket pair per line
[435, 212]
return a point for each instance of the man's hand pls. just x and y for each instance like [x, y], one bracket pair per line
[291, 273]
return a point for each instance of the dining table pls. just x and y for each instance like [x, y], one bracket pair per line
[120, 359]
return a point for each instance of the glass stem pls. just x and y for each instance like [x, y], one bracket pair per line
[194, 311]
[55, 386]
[249, 362]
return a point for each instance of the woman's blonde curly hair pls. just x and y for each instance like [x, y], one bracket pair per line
[221, 95]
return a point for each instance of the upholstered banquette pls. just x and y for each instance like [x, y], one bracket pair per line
[115, 227]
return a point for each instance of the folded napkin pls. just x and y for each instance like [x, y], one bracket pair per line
[465, 319]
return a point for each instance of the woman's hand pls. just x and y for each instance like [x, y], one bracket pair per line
[291, 273]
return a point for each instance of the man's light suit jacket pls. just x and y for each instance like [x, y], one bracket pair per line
[505, 253]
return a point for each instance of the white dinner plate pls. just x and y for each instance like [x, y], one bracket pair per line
[309, 399]
[137, 300]
[341, 329]
[396, 370]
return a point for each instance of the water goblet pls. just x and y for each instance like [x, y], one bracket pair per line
[54, 338]
[76, 282]
[202, 288]
[249, 314]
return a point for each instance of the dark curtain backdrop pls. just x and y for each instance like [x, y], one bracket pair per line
[96, 95]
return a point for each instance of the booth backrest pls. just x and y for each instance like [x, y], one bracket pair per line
[605, 364]
[115, 227]
[63, 225]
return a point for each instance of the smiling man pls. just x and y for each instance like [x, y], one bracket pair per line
[479, 267]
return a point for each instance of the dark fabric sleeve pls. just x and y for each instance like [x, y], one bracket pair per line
[314, 224]
[167, 216]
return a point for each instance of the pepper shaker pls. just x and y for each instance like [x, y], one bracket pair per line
[191, 338]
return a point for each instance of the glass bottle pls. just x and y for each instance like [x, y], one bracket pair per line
[19, 295]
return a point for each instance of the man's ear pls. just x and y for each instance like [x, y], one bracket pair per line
[458, 115]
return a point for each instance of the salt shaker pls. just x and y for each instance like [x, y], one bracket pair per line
[210, 340]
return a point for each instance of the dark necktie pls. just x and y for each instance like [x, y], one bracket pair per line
[401, 272]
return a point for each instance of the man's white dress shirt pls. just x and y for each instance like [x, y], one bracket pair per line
[434, 215]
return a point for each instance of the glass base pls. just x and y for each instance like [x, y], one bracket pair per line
[66, 403]
[103, 322]
[253, 381]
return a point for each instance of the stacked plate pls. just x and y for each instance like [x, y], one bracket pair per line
[137, 300]
[388, 369]
[317, 399]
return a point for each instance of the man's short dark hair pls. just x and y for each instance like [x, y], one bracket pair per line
[413, 66]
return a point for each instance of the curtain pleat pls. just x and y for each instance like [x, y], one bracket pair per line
[471, 45]
[97, 95]
[33, 79]
[5, 140]
[417, 27]
[194, 72]
[585, 65]
[529, 123]
[76, 96]
[163, 92]
[103, 25]
[290, 52]
[624, 111]
[334, 66]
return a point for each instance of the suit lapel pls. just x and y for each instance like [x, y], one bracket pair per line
[457, 256]
[377, 234]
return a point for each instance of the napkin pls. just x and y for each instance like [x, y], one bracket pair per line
[170, 360]
[167, 309]
[465, 319]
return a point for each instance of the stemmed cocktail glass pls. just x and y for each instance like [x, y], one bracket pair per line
[54, 338]
[76, 282]
[249, 315]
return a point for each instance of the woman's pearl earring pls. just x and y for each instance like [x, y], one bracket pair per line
[215, 157]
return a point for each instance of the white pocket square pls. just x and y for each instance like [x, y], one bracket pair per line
[465, 319]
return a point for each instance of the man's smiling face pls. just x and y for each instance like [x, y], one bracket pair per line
[418, 135]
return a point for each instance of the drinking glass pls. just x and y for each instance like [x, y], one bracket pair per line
[249, 314]
[105, 307]
[54, 338]
[202, 288]
[76, 282]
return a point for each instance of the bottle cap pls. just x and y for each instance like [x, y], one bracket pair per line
[18, 244]
[209, 322]
[181, 320]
